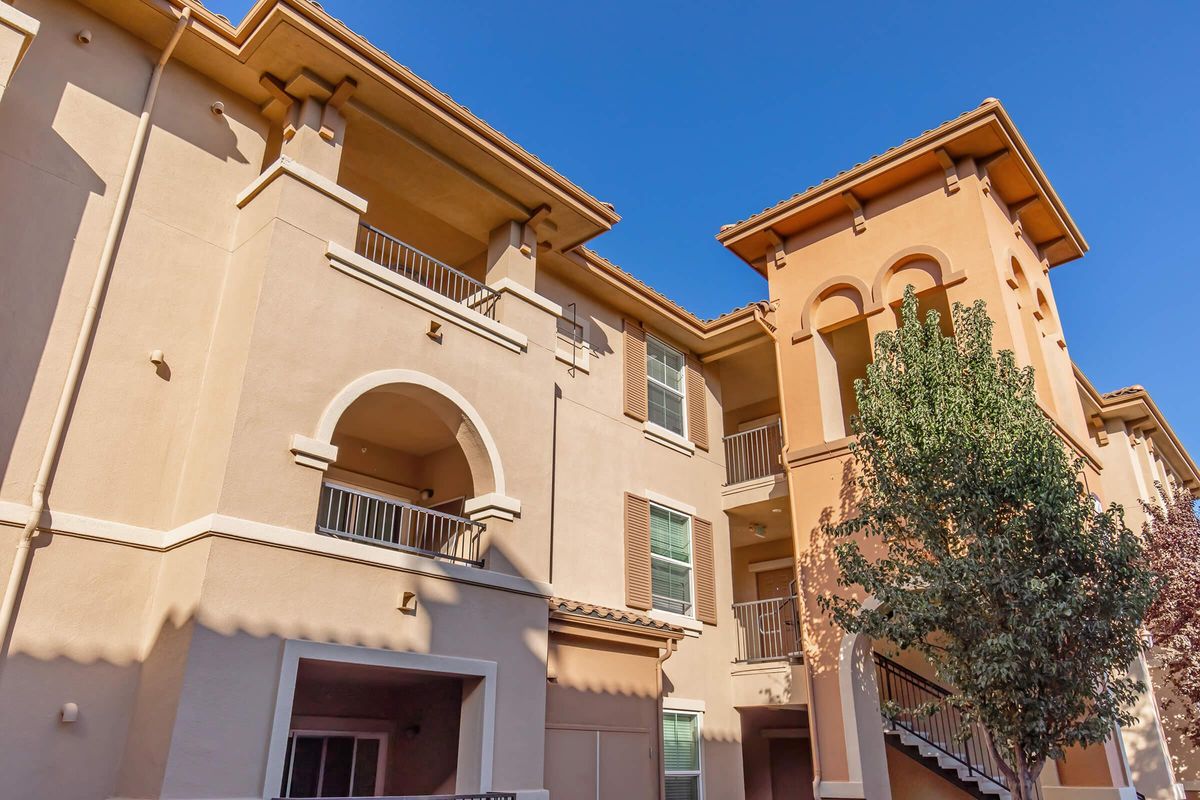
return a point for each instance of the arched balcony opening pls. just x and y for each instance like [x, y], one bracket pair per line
[1030, 310]
[925, 276]
[843, 350]
[410, 461]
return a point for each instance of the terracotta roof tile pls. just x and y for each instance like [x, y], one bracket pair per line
[614, 614]
[589, 253]
[1127, 390]
[832, 178]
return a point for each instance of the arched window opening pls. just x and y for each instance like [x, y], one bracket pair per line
[407, 464]
[925, 276]
[843, 350]
[1035, 355]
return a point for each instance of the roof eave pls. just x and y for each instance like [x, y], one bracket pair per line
[990, 110]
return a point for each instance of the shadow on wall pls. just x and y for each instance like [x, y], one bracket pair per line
[179, 691]
[49, 164]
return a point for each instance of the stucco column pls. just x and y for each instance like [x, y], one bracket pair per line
[313, 127]
[17, 31]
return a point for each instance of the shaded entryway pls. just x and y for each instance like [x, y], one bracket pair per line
[362, 730]
[776, 754]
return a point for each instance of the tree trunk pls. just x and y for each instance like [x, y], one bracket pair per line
[1010, 776]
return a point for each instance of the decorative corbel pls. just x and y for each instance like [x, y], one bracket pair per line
[1045, 248]
[860, 221]
[949, 168]
[529, 229]
[334, 104]
[986, 162]
[279, 103]
[775, 252]
[1101, 433]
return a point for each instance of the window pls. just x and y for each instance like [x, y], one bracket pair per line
[664, 376]
[333, 764]
[681, 754]
[670, 560]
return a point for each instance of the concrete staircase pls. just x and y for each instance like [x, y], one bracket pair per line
[936, 756]
[937, 737]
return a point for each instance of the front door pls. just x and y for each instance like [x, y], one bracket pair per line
[774, 583]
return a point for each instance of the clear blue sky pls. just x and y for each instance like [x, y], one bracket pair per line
[689, 115]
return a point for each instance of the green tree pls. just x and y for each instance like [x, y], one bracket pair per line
[983, 549]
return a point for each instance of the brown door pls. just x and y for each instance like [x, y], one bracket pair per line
[774, 583]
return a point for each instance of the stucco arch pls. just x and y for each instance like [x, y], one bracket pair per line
[848, 288]
[862, 723]
[467, 425]
[930, 266]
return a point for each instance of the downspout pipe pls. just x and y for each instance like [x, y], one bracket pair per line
[760, 311]
[87, 330]
[662, 772]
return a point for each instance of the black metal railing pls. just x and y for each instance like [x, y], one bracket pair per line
[767, 630]
[479, 796]
[404, 259]
[912, 703]
[364, 517]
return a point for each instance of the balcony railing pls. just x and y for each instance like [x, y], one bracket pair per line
[767, 630]
[753, 454]
[404, 259]
[364, 517]
[480, 796]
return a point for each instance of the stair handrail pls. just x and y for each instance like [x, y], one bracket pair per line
[941, 729]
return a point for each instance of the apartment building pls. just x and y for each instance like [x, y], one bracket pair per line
[336, 463]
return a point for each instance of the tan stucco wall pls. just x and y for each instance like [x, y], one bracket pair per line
[169, 639]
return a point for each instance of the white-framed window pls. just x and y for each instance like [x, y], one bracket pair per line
[671, 579]
[334, 764]
[665, 386]
[681, 755]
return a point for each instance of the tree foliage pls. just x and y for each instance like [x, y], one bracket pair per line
[983, 549]
[1172, 533]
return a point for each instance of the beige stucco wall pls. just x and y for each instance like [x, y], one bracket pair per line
[169, 638]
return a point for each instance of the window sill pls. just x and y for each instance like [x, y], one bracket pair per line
[580, 361]
[668, 439]
[691, 626]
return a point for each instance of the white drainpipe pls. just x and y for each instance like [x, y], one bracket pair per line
[37, 502]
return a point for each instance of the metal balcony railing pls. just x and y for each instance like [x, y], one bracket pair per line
[479, 796]
[364, 517]
[913, 704]
[753, 454]
[404, 259]
[767, 630]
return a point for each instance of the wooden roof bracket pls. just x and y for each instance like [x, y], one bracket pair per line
[948, 166]
[860, 221]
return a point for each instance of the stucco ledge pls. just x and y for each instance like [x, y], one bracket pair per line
[492, 506]
[309, 452]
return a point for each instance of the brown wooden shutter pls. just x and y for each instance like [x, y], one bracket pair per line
[697, 409]
[706, 575]
[637, 552]
[633, 341]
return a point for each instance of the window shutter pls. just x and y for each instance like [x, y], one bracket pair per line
[706, 577]
[697, 409]
[637, 552]
[633, 340]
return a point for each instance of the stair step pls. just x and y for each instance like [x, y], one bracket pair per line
[937, 752]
